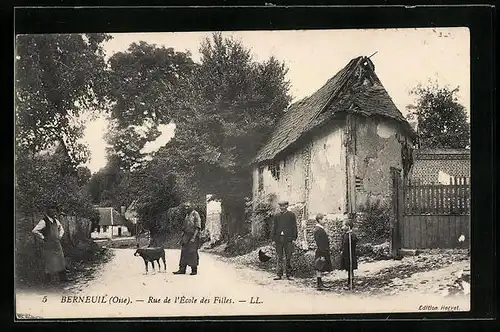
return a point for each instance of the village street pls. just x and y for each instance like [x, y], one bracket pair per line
[230, 289]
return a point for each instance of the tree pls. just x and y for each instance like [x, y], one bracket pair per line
[58, 78]
[238, 103]
[224, 109]
[148, 86]
[441, 119]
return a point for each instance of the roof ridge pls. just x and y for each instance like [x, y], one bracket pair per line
[309, 112]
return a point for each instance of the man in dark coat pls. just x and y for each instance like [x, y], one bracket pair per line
[190, 240]
[284, 232]
[347, 255]
[322, 257]
[50, 231]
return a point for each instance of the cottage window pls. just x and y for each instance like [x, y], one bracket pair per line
[275, 170]
[261, 178]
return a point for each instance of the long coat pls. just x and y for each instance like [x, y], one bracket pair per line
[322, 250]
[344, 257]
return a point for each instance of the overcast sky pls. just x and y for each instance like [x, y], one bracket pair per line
[405, 58]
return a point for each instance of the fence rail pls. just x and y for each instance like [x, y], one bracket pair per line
[437, 199]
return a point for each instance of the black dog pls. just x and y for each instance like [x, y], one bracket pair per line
[151, 255]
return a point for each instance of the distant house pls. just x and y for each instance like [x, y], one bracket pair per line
[130, 212]
[333, 150]
[441, 166]
[111, 224]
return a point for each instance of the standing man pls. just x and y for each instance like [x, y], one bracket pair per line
[284, 232]
[190, 238]
[50, 231]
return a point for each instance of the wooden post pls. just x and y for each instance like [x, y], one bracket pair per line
[397, 208]
[350, 261]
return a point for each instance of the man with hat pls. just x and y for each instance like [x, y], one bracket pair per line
[50, 231]
[284, 232]
[190, 240]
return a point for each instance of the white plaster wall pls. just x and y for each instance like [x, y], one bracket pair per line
[327, 174]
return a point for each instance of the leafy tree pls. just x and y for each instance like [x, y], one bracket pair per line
[148, 86]
[441, 119]
[237, 104]
[42, 179]
[224, 109]
[58, 78]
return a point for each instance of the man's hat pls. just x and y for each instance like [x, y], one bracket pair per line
[283, 202]
[320, 216]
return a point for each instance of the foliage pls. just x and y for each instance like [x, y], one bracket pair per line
[58, 79]
[149, 85]
[224, 109]
[442, 121]
[42, 180]
[374, 222]
[259, 213]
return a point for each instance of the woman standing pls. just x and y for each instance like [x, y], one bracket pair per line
[50, 231]
[348, 258]
[322, 258]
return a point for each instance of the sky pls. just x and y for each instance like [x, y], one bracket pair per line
[404, 58]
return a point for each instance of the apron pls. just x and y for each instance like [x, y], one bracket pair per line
[189, 250]
[52, 252]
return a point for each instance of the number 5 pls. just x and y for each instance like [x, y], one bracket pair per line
[44, 299]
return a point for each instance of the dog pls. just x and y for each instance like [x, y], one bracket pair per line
[150, 255]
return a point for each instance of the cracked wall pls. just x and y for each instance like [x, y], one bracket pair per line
[313, 175]
[327, 174]
[378, 148]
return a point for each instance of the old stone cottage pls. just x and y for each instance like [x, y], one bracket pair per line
[335, 149]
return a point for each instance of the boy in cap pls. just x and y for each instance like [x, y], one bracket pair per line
[284, 232]
[322, 257]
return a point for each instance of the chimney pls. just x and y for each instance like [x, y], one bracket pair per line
[123, 209]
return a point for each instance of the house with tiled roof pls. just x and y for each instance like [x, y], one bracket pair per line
[441, 166]
[111, 224]
[335, 149]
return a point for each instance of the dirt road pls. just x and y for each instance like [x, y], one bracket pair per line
[120, 289]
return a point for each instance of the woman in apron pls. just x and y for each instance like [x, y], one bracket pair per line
[50, 231]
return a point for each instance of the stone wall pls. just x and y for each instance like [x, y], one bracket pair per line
[426, 171]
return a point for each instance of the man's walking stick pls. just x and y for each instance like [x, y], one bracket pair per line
[350, 262]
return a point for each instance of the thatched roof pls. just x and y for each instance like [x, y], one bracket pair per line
[345, 92]
[109, 216]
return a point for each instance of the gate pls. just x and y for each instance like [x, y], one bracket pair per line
[435, 215]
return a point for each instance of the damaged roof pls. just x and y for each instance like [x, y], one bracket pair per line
[354, 89]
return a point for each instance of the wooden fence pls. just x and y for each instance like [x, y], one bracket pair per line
[436, 216]
[437, 199]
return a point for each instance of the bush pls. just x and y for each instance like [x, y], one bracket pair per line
[374, 222]
[243, 245]
[259, 214]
